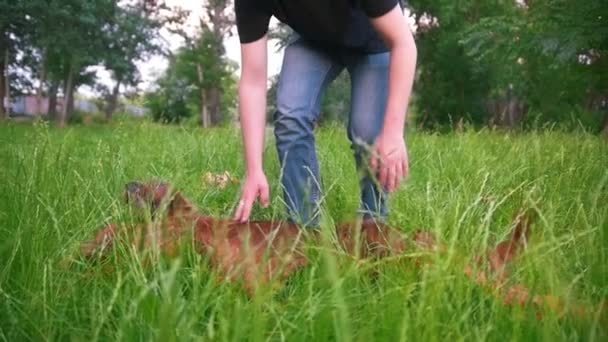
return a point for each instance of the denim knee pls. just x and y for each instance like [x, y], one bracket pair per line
[291, 127]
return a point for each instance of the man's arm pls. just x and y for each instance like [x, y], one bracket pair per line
[252, 101]
[252, 109]
[390, 147]
[395, 31]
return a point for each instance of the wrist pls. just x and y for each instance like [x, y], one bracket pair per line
[392, 129]
[254, 169]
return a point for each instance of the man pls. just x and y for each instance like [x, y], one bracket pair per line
[369, 38]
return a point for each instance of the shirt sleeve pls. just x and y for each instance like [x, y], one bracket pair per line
[377, 8]
[252, 20]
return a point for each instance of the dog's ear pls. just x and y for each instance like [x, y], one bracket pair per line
[179, 205]
[134, 192]
[159, 193]
[153, 195]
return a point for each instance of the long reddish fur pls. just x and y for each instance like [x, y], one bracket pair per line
[258, 252]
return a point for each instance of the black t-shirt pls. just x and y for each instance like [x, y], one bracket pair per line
[339, 23]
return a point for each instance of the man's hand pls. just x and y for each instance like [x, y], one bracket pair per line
[255, 186]
[389, 160]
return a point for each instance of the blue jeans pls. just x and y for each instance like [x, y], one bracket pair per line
[306, 72]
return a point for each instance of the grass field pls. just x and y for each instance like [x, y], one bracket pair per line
[58, 186]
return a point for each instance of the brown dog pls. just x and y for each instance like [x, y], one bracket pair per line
[256, 252]
[259, 251]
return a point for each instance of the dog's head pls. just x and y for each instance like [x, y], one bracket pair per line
[158, 197]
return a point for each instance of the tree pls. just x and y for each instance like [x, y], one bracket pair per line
[170, 103]
[215, 28]
[450, 87]
[131, 37]
[183, 89]
[495, 61]
[15, 32]
[58, 40]
[202, 61]
[555, 49]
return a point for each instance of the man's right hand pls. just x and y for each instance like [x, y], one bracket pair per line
[255, 186]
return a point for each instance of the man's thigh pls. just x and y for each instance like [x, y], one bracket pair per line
[369, 91]
[305, 74]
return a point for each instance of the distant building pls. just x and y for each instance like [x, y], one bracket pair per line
[134, 110]
[28, 105]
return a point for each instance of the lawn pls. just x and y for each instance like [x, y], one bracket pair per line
[58, 186]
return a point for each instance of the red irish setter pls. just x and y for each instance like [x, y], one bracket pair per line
[260, 252]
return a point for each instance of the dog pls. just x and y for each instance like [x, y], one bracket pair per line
[257, 252]
[263, 252]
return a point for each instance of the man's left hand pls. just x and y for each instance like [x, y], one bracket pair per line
[389, 160]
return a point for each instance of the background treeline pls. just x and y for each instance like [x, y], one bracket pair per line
[498, 63]
[505, 63]
[509, 63]
[49, 46]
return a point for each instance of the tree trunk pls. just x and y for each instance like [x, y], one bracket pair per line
[204, 113]
[52, 110]
[40, 89]
[214, 99]
[71, 103]
[7, 85]
[113, 101]
[63, 115]
[3, 68]
[203, 96]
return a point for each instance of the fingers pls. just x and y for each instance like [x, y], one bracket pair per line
[392, 172]
[240, 209]
[246, 212]
[264, 196]
[243, 210]
[397, 177]
[373, 162]
[383, 175]
[405, 167]
[391, 178]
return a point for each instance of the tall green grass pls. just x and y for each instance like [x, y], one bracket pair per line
[58, 186]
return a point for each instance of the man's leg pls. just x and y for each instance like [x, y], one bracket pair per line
[305, 74]
[369, 89]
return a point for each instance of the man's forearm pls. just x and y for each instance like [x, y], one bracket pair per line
[252, 108]
[402, 68]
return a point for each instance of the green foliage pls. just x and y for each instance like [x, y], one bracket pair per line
[547, 56]
[450, 86]
[170, 102]
[131, 37]
[78, 37]
[554, 52]
[194, 70]
[59, 40]
[59, 186]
